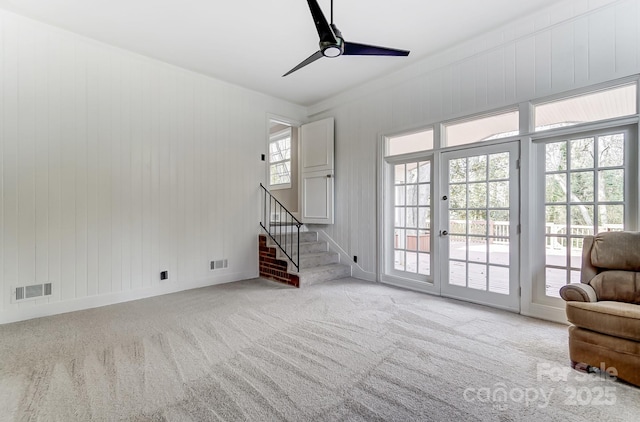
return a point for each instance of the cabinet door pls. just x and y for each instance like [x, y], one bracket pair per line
[317, 171]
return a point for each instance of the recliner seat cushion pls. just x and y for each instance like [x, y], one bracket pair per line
[614, 285]
[613, 318]
[616, 251]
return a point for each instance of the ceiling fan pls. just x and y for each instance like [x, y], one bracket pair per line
[333, 45]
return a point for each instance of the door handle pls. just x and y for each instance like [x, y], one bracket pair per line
[444, 233]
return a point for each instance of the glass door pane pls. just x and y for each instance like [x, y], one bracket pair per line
[412, 219]
[478, 229]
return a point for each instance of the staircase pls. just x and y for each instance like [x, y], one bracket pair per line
[317, 263]
[290, 255]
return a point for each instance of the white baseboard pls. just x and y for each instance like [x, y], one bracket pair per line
[90, 302]
[548, 313]
[404, 283]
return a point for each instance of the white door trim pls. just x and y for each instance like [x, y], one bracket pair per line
[512, 300]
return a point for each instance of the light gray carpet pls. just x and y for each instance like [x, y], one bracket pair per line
[258, 351]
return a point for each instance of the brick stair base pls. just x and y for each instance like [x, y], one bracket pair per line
[273, 268]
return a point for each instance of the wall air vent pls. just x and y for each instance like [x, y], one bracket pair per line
[32, 292]
[219, 264]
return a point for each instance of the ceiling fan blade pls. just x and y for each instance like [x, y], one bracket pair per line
[322, 25]
[356, 49]
[312, 58]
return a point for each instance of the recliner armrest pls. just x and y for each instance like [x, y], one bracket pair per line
[578, 293]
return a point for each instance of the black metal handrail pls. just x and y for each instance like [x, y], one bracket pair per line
[285, 240]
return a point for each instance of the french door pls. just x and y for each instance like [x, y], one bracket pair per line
[478, 234]
[409, 234]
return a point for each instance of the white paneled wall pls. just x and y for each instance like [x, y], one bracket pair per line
[575, 43]
[114, 167]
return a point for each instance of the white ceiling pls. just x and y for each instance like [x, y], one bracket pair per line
[252, 43]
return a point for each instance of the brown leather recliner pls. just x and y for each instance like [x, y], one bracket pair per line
[605, 307]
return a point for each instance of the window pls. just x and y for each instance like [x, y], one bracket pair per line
[414, 142]
[615, 102]
[584, 189]
[482, 129]
[280, 159]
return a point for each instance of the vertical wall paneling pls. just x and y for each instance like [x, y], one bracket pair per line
[510, 84]
[3, 293]
[467, 88]
[496, 81]
[602, 44]
[92, 160]
[68, 159]
[481, 63]
[114, 167]
[626, 22]
[54, 123]
[525, 68]
[580, 50]
[137, 171]
[117, 160]
[572, 44]
[10, 154]
[149, 110]
[104, 187]
[41, 164]
[562, 72]
[436, 98]
[543, 64]
[81, 168]
[199, 176]
[26, 155]
[214, 192]
[126, 154]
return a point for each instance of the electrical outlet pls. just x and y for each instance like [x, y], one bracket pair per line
[164, 275]
[263, 157]
[355, 259]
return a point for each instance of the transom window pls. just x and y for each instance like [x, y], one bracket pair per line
[483, 128]
[412, 142]
[614, 102]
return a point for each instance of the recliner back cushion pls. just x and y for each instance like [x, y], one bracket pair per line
[618, 286]
[616, 251]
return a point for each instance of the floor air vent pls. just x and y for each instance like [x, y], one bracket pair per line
[32, 292]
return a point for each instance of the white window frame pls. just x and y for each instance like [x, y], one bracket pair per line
[538, 215]
[530, 303]
[386, 273]
[275, 137]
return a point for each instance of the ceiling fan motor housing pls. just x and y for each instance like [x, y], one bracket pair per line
[330, 48]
